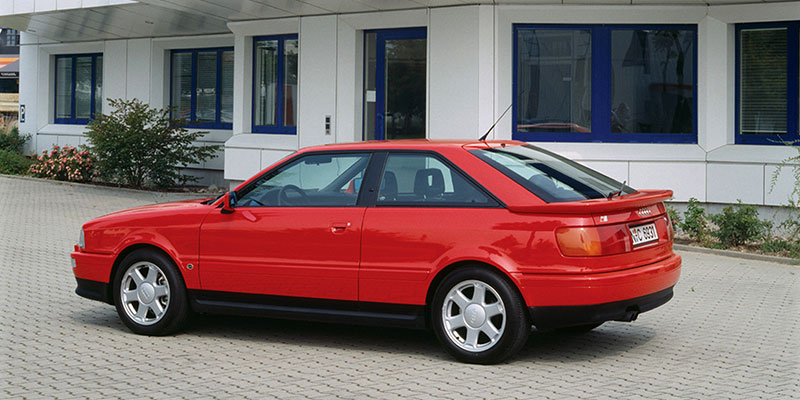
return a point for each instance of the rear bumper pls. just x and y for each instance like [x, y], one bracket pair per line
[597, 288]
[546, 318]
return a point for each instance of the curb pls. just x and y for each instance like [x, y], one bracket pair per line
[89, 185]
[736, 254]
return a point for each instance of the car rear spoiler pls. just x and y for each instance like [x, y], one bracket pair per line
[639, 199]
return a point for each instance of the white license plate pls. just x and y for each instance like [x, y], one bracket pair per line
[644, 234]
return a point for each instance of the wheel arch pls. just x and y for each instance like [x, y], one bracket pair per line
[124, 253]
[442, 273]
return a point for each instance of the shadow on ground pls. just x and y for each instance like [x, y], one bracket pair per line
[609, 340]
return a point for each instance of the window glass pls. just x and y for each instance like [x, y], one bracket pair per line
[652, 81]
[98, 85]
[290, 85]
[411, 179]
[206, 87]
[78, 88]
[549, 176]
[83, 87]
[321, 180]
[266, 82]
[554, 78]
[275, 89]
[181, 85]
[763, 84]
[226, 95]
[64, 87]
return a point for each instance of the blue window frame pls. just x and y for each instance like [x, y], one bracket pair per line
[78, 88]
[768, 83]
[275, 89]
[605, 83]
[201, 87]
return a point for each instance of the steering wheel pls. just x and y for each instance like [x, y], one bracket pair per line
[283, 198]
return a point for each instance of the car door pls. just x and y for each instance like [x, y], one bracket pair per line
[295, 231]
[425, 207]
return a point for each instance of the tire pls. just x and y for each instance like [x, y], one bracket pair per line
[155, 302]
[578, 329]
[475, 330]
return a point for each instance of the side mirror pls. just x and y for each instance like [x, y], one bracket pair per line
[228, 201]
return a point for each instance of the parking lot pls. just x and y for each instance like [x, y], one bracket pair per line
[731, 331]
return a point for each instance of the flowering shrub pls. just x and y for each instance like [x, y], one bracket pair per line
[64, 164]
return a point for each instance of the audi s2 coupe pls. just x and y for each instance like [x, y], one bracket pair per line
[477, 241]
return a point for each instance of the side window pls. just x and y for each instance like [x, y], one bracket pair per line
[417, 179]
[316, 180]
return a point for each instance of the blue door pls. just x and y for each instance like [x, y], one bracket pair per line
[395, 62]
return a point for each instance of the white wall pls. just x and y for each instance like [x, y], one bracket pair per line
[469, 84]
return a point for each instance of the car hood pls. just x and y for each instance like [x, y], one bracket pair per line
[174, 205]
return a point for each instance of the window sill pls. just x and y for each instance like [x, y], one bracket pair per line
[626, 151]
[749, 153]
[263, 141]
[63, 129]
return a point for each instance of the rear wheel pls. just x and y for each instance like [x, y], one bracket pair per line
[149, 293]
[479, 317]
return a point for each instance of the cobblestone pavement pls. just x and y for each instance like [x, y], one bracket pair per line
[732, 331]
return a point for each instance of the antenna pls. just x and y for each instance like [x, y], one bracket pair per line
[483, 138]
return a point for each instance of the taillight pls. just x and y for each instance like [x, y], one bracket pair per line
[593, 241]
[670, 230]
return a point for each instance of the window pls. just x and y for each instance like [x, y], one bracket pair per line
[549, 176]
[767, 75]
[275, 84]
[316, 180]
[79, 88]
[605, 83]
[201, 90]
[419, 179]
[12, 37]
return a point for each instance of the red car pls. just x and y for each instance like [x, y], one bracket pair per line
[477, 241]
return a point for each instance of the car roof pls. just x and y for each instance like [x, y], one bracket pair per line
[411, 144]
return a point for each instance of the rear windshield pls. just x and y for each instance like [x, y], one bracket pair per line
[549, 176]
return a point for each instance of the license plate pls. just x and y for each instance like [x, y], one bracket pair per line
[644, 234]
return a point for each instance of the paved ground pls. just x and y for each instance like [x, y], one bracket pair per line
[732, 331]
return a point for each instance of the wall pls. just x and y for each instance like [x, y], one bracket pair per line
[469, 76]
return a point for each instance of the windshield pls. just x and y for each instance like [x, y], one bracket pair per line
[549, 176]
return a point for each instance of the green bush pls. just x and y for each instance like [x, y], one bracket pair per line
[778, 245]
[695, 222]
[13, 163]
[12, 140]
[141, 146]
[739, 224]
[674, 217]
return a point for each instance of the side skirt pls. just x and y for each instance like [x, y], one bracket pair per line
[308, 309]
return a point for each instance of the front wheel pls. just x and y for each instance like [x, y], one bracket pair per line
[479, 317]
[149, 293]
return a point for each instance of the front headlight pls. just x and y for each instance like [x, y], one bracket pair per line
[82, 241]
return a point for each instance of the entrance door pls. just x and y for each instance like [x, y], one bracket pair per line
[394, 83]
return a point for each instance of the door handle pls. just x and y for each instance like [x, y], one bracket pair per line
[339, 227]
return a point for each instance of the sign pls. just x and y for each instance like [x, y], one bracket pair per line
[13, 74]
[22, 113]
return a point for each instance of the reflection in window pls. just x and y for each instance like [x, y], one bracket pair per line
[652, 82]
[275, 84]
[316, 180]
[554, 74]
[605, 83]
[78, 88]
[201, 88]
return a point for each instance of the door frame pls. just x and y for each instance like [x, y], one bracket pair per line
[381, 36]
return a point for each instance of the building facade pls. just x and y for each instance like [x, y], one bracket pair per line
[696, 96]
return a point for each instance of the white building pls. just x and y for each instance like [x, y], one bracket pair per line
[683, 94]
